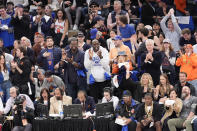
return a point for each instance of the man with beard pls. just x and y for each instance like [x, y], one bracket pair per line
[57, 101]
[187, 113]
[74, 71]
[183, 82]
[50, 56]
[149, 115]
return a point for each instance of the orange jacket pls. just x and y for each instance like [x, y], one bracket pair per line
[115, 68]
[180, 5]
[188, 64]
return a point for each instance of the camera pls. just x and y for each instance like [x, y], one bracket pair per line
[19, 103]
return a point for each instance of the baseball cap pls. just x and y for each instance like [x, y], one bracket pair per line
[117, 38]
[126, 93]
[19, 5]
[122, 53]
[98, 18]
[166, 41]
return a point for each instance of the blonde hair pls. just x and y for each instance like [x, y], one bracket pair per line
[150, 81]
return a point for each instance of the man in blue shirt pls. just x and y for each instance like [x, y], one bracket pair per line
[49, 57]
[126, 30]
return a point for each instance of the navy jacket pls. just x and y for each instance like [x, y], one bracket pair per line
[69, 68]
[89, 104]
[46, 22]
[42, 61]
[122, 109]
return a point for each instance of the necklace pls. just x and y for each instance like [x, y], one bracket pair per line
[128, 111]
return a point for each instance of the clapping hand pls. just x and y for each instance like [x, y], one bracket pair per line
[99, 53]
[90, 54]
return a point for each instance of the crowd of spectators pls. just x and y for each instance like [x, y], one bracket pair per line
[133, 53]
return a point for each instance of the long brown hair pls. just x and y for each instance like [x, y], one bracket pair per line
[170, 47]
[162, 88]
[4, 64]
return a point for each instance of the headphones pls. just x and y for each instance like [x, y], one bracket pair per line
[109, 90]
[61, 91]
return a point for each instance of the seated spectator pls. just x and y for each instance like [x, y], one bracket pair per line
[74, 6]
[14, 92]
[61, 28]
[6, 34]
[168, 62]
[110, 41]
[144, 86]
[100, 26]
[109, 97]
[104, 7]
[187, 38]
[22, 118]
[188, 64]
[44, 99]
[58, 100]
[183, 82]
[10, 8]
[96, 62]
[150, 59]
[52, 81]
[163, 89]
[24, 3]
[5, 83]
[89, 21]
[126, 31]
[87, 102]
[171, 110]
[149, 115]
[20, 71]
[126, 110]
[74, 71]
[187, 112]
[119, 47]
[113, 16]
[95, 34]
[172, 31]
[20, 22]
[131, 8]
[50, 56]
[163, 8]
[83, 46]
[38, 81]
